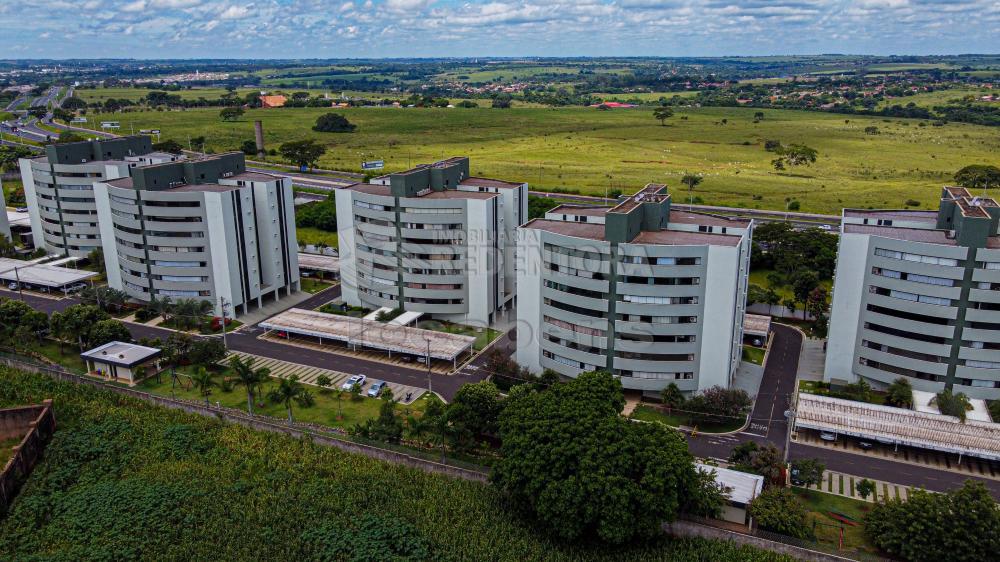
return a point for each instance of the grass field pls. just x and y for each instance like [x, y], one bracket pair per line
[940, 97]
[313, 235]
[819, 505]
[325, 411]
[651, 414]
[753, 354]
[591, 150]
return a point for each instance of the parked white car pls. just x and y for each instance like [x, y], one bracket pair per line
[356, 379]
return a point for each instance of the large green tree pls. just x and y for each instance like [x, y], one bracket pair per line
[959, 526]
[304, 153]
[107, 331]
[978, 176]
[333, 123]
[477, 407]
[582, 469]
[76, 322]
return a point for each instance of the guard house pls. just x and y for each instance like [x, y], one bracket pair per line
[119, 361]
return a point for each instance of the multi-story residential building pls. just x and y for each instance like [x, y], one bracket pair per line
[917, 295]
[650, 294]
[433, 240]
[58, 188]
[201, 229]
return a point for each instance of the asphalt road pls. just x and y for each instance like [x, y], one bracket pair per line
[888, 471]
[767, 421]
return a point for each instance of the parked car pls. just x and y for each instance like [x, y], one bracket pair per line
[12, 286]
[356, 379]
[21, 209]
[796, 479]
[376, 389]
[826, 227]
[74, 287]
[827, 436]
[865, 445]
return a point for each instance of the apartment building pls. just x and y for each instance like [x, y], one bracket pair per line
[432, 239]
[200, 229]
[58, 188]
[917, 295]
[653, 295]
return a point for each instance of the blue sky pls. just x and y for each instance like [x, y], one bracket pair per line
[416, 28]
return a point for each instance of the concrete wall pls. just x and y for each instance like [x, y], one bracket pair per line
[845, 309]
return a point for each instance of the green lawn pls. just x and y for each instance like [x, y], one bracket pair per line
[324, 412]
[315, 236]
[91, 95]
[822, 388]
[69, 357]
[585, 149]
[9, 187]
[753, 354]
[652, 414]
[313, 285]
[483, 337]
[819, 505]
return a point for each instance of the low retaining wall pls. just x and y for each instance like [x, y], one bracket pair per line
[36, 424]
[319, 435]
[694, 529]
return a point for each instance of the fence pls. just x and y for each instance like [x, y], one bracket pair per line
[38, 422]
[318, 434]
[802, 549]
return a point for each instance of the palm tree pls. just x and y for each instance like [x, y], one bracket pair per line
[248, 376]
[692, 181]
[663, 113]
[160, 307]
[204, 382]
[418, 427]
[287, 390]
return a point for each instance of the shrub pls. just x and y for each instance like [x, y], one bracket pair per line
[778, 510]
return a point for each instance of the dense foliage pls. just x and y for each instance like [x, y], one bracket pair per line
[778, 246]
[777, 509]
[318, 214]
[960, 525]
[123, 480]
[581, 469]
[333, 123]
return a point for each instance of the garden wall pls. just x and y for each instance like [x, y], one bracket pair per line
[36, 424]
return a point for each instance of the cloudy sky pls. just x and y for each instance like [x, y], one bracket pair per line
[415, 28]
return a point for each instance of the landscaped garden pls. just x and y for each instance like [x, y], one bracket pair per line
[314, 285]
[755, 355]
[484, 336]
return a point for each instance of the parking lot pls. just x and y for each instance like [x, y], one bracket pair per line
[921, 457]
[308, 375]
[337, 348]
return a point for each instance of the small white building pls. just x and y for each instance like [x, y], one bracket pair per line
[118, 361]
[743, 488]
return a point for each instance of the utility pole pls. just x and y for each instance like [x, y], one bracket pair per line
[430, 388]
[222, 307]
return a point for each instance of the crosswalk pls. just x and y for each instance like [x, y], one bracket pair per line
[846, 485]
[308, 375]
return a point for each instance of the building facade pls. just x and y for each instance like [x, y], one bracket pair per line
[201, 229]
[917, 295]
[432, 239]
[651, 295]
[58, 188]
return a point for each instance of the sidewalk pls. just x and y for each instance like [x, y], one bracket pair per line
[845, 485]
[812, 360]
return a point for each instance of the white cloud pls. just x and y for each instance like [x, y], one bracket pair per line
[235, 12]
[136, 6]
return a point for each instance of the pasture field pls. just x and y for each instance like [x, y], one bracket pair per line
[91, 95]
[646, 96]
[591, 151]
[941, 97]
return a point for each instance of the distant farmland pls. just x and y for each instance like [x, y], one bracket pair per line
[592, 151]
